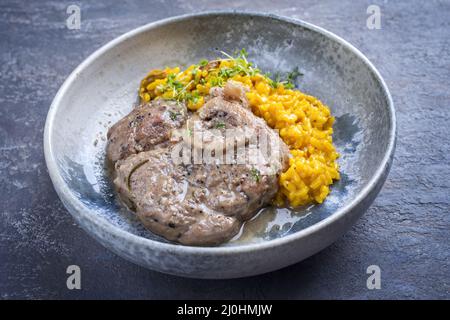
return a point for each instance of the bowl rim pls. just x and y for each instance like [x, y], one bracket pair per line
[64, 191]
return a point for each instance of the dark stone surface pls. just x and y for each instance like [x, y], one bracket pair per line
[406, 231]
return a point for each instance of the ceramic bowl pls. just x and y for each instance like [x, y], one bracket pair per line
[104, 88]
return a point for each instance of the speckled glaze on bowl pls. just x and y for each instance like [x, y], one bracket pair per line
[104, 87]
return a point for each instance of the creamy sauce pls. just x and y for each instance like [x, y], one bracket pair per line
[269, 223]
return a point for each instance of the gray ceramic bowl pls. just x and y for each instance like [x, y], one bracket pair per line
[104, 87]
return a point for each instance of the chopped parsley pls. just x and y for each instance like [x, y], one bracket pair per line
[218, 81]
[220, 125]
[192, 97]
[203, 62]
[255, 174]
[226, 72]
[289, 82]
[174, 115]
[292, 77]
[172, 83]
[175, 87]
[241, 65]
[276, 82]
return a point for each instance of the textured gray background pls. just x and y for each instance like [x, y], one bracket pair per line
[406, 231]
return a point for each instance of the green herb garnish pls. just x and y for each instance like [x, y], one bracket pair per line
[292, 77]
[174, 115]
[220, 125]
[203, 62]
[226, 73]
[275, 83]
[241, 65]
[218, 77]
[192, 96]
[218, 81]
[288, 83]
[255, 174]
[172, 83]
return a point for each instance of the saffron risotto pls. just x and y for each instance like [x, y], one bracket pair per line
[303, 122]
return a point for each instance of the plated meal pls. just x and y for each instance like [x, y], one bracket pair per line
[236, 165]
[211, 145]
